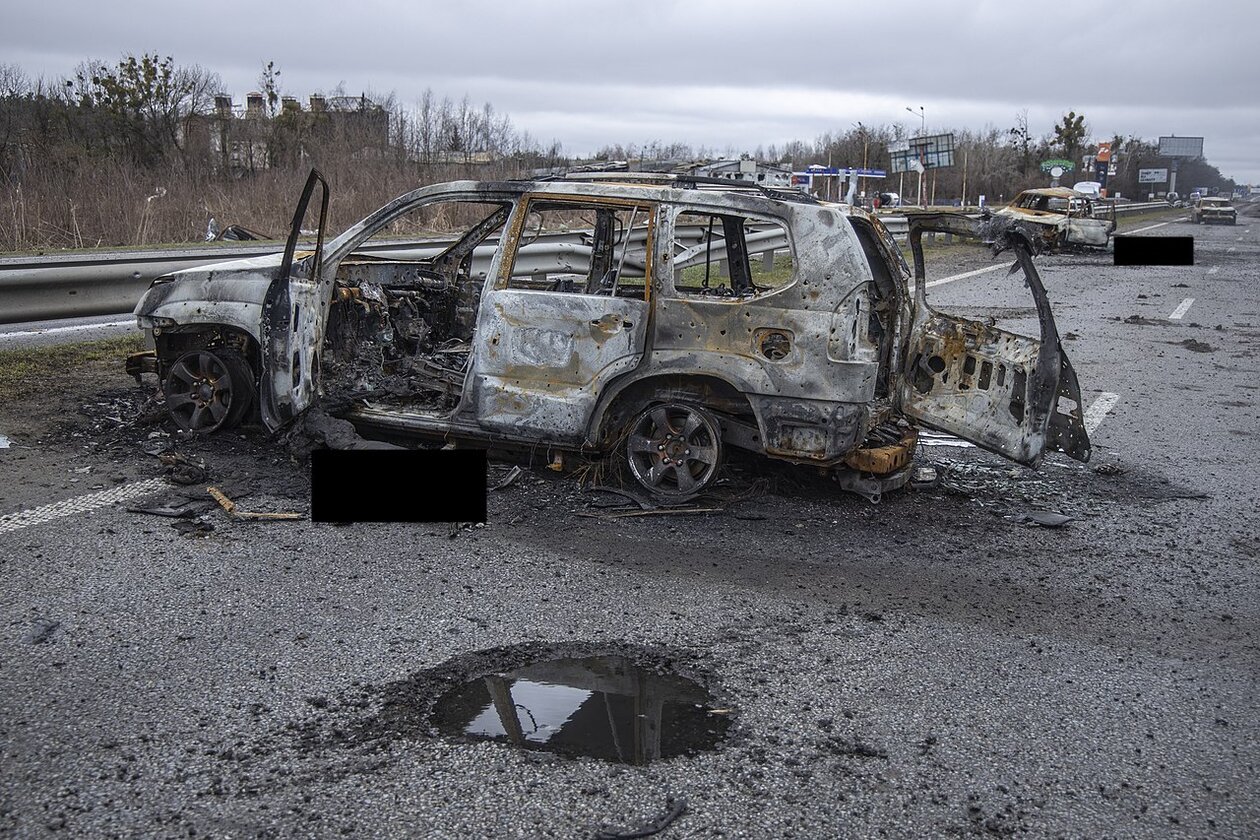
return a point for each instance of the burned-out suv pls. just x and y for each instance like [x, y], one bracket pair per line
[660, 319]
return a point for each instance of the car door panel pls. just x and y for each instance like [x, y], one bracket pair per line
[544, 357]
[1011, 394]
[293, 317]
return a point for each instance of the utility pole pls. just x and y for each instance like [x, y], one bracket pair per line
[922, 133]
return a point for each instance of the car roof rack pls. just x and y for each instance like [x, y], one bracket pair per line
[686, 182]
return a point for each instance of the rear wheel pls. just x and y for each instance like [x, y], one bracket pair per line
[207, 390]
[674, 450]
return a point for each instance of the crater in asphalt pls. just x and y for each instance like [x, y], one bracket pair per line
[609, 706]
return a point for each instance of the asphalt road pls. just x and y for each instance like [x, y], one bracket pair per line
[931, 666]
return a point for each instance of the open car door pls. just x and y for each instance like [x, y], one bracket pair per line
[294, 312]
[1013, 395]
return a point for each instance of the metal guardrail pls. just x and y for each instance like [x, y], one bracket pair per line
[79, 285]
[76, 285]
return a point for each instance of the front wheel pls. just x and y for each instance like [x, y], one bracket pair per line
[674, 450]
[208, 390]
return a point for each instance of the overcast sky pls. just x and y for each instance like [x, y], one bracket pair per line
[719, 74]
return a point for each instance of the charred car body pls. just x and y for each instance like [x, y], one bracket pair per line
[661, 320]
[1213, 210]
[1062, 217]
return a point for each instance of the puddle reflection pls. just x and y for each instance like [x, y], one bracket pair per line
[605, 707]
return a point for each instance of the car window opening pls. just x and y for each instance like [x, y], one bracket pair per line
[401, 323]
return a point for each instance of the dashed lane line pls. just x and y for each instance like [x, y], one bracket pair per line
[80, 504]
[1181, 310]
[1148, 227]
[1098, 410]
[965, 275]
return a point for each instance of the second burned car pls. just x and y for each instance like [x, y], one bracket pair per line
[1061, 218]
[661, 320]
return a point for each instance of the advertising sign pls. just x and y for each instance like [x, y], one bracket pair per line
[1183, 147]
[1047, 166]
[1152, 176]
[935, 151]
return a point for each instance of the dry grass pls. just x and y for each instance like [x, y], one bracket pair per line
[116, 204]
[29, 372]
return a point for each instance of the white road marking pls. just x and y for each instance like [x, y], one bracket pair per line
[1181, 309]
[79, 328]
[1098, 410]
[964, 275]
[930, 438]
[81, 504]
[1148, 227]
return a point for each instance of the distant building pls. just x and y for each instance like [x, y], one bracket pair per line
[249, 140]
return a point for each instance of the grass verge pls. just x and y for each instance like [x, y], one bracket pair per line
[30, 371]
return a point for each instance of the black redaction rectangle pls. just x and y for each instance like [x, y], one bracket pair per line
[1154, 250]
[398, 485]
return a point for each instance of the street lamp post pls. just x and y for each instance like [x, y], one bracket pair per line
[865, 144]
[922, 133]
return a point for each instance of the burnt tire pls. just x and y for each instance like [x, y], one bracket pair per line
[208, 390]
[674, 450]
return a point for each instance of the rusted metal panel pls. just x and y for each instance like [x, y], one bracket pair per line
[885, 459]
[546, 357]
[995, 388]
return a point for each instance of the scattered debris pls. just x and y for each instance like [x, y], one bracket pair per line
[317, 429]
[1108, 469]
[1195, 345]
[176, 507]
[238, 233]
[1044, 518]
[923, 477]
[1144, 322]
[195, 528]
[182, 470]
[623, 514]
[641, 500]
[675, 808]
[230, 506]
[509, 479]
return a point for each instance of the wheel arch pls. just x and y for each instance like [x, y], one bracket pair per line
[626, 397]
[172, 342]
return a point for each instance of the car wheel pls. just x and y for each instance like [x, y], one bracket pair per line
[208, 390]
[674, 450]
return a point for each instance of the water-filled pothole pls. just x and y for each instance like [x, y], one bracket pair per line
[608, 706]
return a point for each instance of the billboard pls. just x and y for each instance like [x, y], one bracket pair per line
[1181, 147]
[934, 151]
[1152, 176]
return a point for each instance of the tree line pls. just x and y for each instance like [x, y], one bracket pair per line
[108, 154]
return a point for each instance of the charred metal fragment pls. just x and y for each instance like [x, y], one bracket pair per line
[1018, 411]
